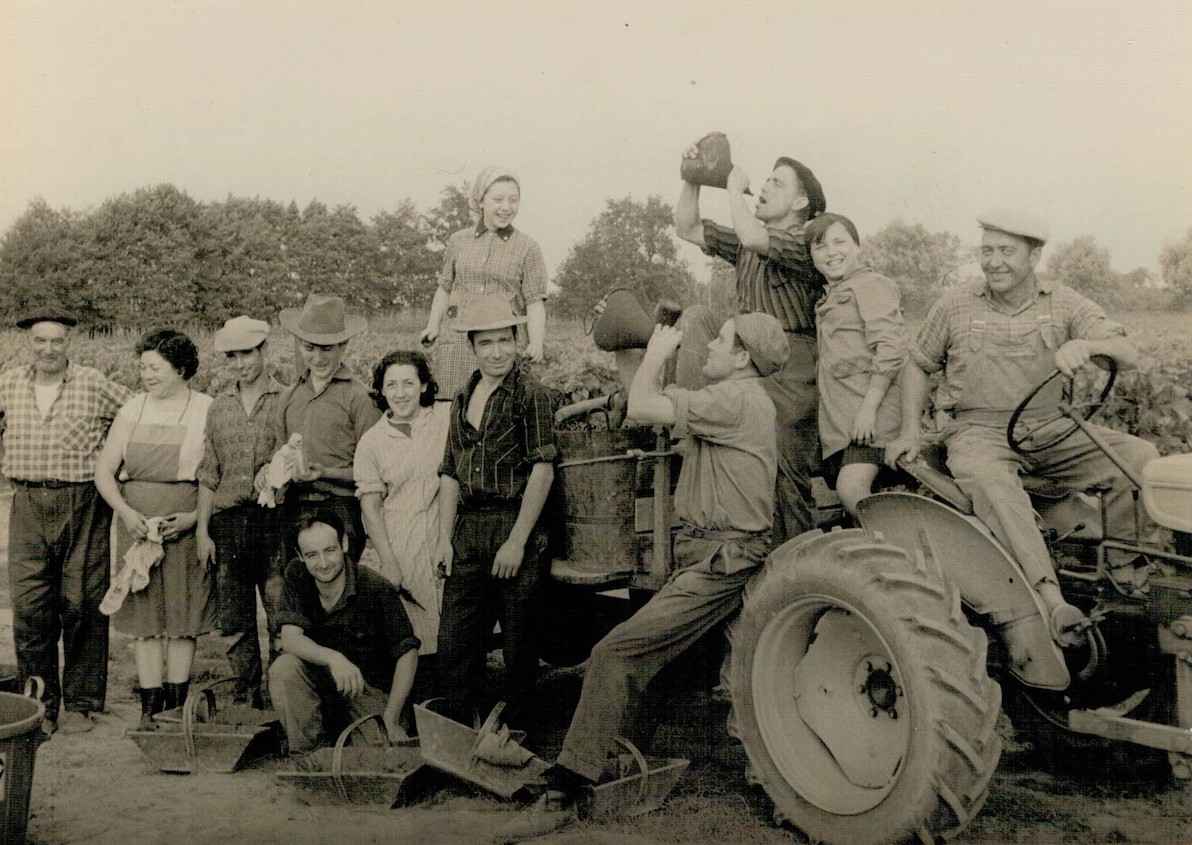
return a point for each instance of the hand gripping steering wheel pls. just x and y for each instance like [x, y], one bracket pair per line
[1019, 431]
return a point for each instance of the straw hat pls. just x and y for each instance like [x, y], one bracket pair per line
[490, 311]
[322, 321]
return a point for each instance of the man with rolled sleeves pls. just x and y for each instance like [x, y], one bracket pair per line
[994, 341]
[497, 471]
[775, 276]
[725, 502]
[57, 415]
[331, 410]
[235, 534]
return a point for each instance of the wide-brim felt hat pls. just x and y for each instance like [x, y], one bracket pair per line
[487, 312]
[322, 320]
[46, 314]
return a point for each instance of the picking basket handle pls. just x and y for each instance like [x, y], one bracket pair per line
[640, 759]
[337, 756]
[35, 687]
[207, 694]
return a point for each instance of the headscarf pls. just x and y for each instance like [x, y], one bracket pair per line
[484, 180]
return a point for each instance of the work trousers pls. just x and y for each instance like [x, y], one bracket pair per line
[247, 558]
[473, 600]
[707, 590]
[988, 470]
[58, 564]
[311, 709]
[796, 422]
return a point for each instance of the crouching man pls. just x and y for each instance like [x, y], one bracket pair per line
[349, 648]
[725, 500]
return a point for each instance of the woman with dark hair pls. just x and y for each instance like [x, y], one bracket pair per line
[488, 258]
[862, 344]
[397, 479]
[146, 472]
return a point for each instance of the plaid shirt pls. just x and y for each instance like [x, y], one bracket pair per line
[64, 445]
[237, 445]
[782, 283]
[479, 261]
[946, 340]
[493, 464]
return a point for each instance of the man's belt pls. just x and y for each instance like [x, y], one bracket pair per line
[47, 483]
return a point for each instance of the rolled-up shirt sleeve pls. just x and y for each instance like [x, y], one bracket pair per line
[931, 344]
[533, 283]
[885, 332]
[366, 469]
[208, 474]
[721, 242]
[538, 425]
[447, 271]
[710, 413]
[289, 606]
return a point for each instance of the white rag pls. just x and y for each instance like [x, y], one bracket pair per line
[141, 556]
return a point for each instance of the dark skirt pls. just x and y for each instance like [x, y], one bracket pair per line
[178, 601]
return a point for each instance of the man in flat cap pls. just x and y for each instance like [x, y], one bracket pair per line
[775, 276]
[994, 341]
[725, 501]
[235, 534]
[331, 410]
[57, 415]
[497, 471]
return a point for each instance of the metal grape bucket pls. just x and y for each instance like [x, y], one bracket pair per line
[20, 735]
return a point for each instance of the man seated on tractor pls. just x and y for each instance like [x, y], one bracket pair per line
[994, 341]
[724, 499]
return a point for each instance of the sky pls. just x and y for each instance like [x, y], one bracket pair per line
[1077, 112]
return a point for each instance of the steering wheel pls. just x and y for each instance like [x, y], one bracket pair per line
[1017, 435]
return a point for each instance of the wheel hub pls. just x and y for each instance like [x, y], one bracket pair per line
[846, 692]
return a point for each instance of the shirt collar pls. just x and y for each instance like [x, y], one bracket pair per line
[342, 374]
[272, 385]
[67, 374]
[504, 233]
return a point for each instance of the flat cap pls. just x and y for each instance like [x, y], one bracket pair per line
[240, 333]
[46, 314]
[764, 340]
[1014, 223]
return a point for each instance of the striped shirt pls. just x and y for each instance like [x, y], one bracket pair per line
[62, 446]
[238, 444]
[782, 283]
[493, 464]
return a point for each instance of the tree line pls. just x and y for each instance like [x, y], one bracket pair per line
[156, 255]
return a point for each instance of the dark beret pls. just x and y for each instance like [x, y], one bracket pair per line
[46, 314]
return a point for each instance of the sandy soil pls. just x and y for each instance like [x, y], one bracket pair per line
[99, 788]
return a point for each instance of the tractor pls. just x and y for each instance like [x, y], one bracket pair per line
[869, 665]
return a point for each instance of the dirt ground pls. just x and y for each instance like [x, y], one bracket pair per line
[99, 788]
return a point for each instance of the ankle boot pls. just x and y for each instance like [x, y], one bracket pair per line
[176, 694]
[152, 701]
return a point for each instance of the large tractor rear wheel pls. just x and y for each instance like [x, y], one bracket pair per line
[861, 695]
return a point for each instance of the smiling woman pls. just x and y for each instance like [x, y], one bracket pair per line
[490, 258]
[147, 473]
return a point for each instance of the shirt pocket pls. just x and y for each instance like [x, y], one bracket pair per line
[80, 434]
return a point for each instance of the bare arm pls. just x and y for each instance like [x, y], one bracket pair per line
[106, 467]
[438, 307]
[399, 691]
[535, 329]
[688, 225]
[203, 524]
[1076, 353]
[647, 403]
[509, 557]
[448, 504]
[913, 384]
[348, 678]
[750, 231]
[374, 527]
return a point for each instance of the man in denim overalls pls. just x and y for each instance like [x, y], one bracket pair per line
[995, 341]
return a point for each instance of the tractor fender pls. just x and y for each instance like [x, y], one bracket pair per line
[990, 581]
